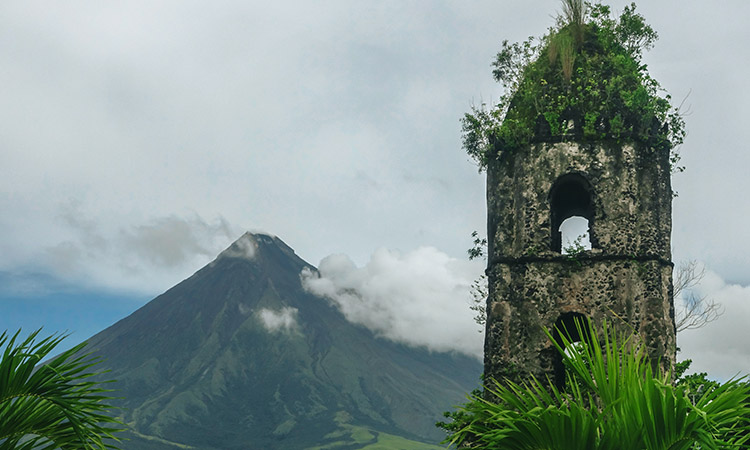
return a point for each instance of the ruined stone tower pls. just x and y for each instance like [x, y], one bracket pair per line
[624, 192]
[582, 132]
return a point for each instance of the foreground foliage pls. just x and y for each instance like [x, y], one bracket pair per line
[612, 400]
[55, 405]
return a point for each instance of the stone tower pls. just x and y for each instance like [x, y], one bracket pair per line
[624, 192]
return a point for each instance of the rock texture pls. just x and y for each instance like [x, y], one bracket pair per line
[625, 193]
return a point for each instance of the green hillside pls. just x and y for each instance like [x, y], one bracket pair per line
[200, 367]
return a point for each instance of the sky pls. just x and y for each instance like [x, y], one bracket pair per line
[139, 139]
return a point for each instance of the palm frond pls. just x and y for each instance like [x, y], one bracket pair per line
[613, 400]
[54, 405]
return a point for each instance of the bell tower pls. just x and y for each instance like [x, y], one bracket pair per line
[582, 134]
[623, 191]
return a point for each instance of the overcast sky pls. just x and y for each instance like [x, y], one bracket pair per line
[138, 139]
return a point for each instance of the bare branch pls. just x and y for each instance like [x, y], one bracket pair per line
[687, 274]
[692, 311]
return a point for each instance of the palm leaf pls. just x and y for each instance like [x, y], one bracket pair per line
[613, 400]
[54, 405]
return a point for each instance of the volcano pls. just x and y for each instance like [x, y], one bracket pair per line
[240, 356]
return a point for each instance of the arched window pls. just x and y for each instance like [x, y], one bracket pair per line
[571, 197]
[575, 327]
[574, 235]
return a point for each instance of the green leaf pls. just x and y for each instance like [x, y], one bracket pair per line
[612, 401]
[54, 405]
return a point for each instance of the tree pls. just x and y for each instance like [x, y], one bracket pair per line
[53, 405]
[612, 400]
[694, 311]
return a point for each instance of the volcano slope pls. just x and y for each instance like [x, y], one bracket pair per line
[240, 356]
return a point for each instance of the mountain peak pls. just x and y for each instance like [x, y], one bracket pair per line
[239, 355]
[254, 246]
[245, 247]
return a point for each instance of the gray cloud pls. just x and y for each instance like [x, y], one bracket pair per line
[420, 298]
[138, 257]
[171, 241]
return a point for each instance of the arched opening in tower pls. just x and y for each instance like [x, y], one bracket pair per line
[572, 197]
[574, 233]
[575, 327]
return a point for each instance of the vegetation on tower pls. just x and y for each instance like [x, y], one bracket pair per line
[584, 80]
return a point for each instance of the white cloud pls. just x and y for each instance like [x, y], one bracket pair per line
[283, 320]
[721, 347]
[244, 247]
[420, 298]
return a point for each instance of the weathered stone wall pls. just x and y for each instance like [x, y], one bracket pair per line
[632, 202]
[625, 277]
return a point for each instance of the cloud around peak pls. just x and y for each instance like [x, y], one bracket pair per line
[244, 247]
[420, 298]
